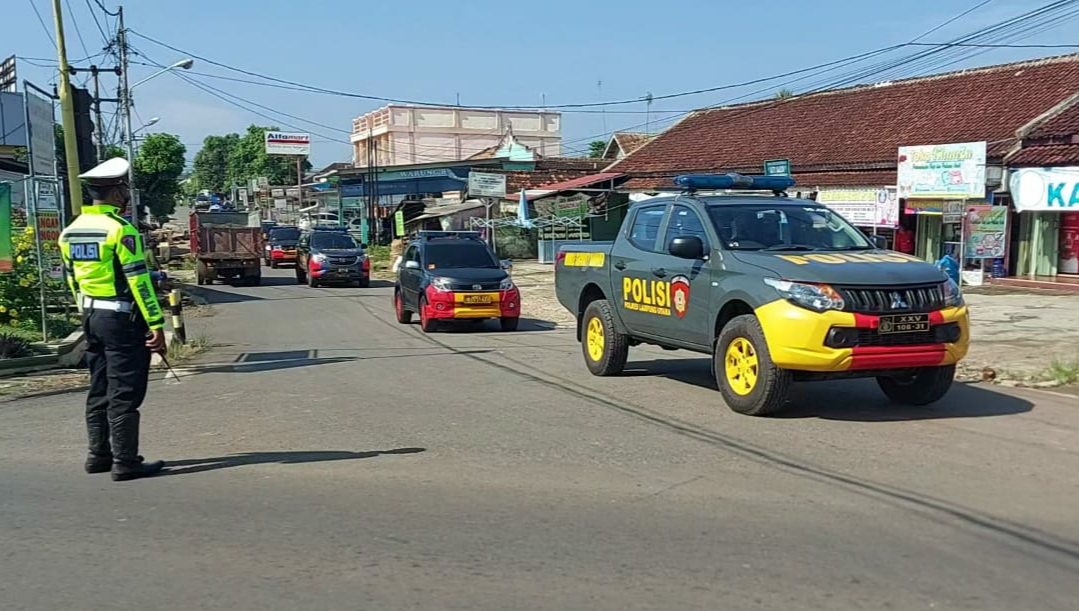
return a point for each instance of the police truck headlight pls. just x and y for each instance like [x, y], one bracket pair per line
[953, 296]
[816, 297]
[318, 257]
[442, 284]
[506, 284]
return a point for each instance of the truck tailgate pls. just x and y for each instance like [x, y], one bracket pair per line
[578, 265]
[230, 242]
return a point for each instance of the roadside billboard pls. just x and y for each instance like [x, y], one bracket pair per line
[942, 171]
[282, 143]
[486, 185]
[863, 207]
[986, 232]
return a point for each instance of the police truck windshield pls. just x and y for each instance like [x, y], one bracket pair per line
[286, 234]
[459, 254]
[785, 228]
[340, 241]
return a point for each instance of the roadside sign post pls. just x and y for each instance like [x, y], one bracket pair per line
[777, 167]
[290, 144]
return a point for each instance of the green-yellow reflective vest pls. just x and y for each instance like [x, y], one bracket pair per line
[104, 259]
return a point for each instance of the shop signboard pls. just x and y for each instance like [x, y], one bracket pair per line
[481, 184]
[352, 202]
[953, 211]
[942, 171]
[282, 143]
[863, 207]
[777, 167]
[986, 232]
[42, 137]
[46, 195]
[399, 223]
[1045, 189]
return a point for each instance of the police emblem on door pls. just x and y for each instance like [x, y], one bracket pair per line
[680, 295]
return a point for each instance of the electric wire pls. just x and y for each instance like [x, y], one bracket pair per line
[41, 20]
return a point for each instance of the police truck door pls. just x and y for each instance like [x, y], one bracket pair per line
[688, 280]
[632, 280]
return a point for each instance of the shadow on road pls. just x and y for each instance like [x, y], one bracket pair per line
[525, 325]
[850, 400]
[258, 362]
[200, 465]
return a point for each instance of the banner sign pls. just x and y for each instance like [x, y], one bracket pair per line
[942, 171]
[280, 143]
[486, 185]
[986, 232]
[399, 223]
[867, 207]
[1045, 189]
[6, 261]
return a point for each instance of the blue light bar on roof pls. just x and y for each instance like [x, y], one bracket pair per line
[697, 182]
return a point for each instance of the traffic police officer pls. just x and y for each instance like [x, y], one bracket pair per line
[106, 270]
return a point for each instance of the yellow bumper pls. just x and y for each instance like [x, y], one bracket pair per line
[796, 340]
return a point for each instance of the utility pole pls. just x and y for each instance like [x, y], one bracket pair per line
[67, 111]
[129, 137]
[99, 125]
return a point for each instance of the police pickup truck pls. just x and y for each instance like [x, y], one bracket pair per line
[776, 289]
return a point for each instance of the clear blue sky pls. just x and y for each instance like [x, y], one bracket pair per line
[497, 53]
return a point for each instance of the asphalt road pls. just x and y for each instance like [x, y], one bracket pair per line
[325, 457]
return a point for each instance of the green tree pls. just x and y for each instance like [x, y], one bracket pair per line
[248, 159]
[596, 148]
[158, 166]
[113, 150]
[212, 162]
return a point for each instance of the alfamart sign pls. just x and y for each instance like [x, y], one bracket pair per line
[1045, 189]
[281, 143]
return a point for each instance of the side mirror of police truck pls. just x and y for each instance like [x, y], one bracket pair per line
[506, 264]
[687, 247]
[412, 264]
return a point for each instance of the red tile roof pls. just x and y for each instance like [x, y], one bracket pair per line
[1046, 156]
[1066, 123]
[862, 127]
[579, 183]
[630, 141]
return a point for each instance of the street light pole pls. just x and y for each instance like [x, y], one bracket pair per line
[67, 111]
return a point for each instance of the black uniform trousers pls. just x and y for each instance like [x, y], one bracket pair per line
[119, 364]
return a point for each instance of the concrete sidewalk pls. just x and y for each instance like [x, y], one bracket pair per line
[1016, 334]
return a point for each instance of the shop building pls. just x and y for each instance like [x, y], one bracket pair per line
[1043, 176]
[843, 147]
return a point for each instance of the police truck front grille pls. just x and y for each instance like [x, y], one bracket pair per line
[472, 286]
[342, 260]
[921, 298]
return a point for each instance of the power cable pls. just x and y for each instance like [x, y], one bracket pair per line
[101, 5]
[952, 20]
[97, 22]
[42, 22]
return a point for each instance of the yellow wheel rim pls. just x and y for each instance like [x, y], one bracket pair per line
[741, 366]
[594, 339]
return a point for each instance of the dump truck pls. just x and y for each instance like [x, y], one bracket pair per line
[226, 246]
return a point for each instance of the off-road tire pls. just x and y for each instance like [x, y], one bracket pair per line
[615, 344]
[927, 385]
[311, 280]
[772, 388]
[274, 265]
[509, 323]
[427, 324]
[403, 314]
[365, 283]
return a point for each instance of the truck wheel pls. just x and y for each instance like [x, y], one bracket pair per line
[312, 281]
[203, 273]
[924, 386]
[749, 381]
[300, 277]
[365, 283]
[273, 264]
[255, 279]
[605, 349]
[509, 323]
[403, 316]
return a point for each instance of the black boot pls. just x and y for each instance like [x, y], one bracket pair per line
[127, 464]
[99, 458]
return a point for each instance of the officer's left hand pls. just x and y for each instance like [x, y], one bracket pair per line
[156, 341]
